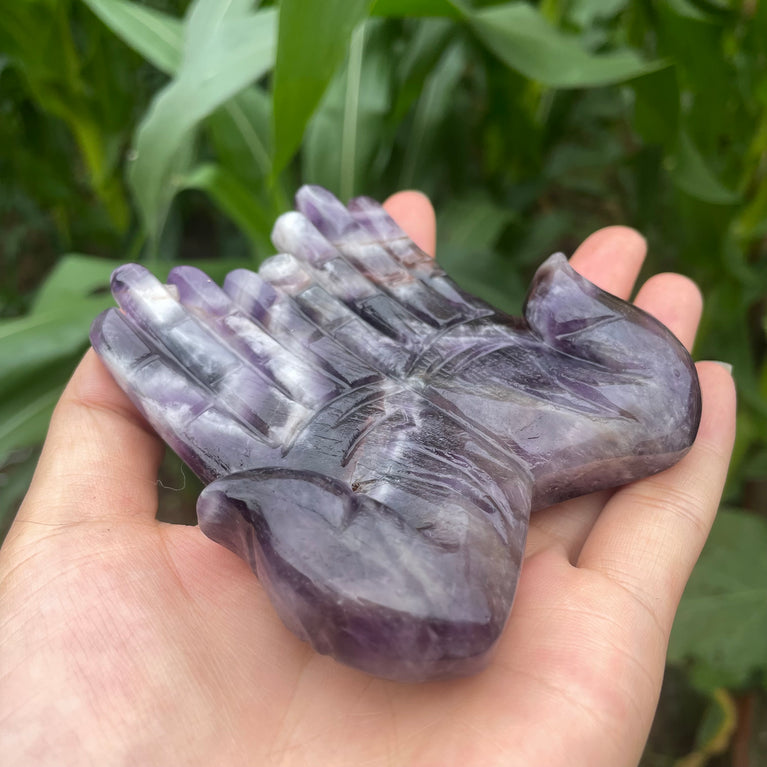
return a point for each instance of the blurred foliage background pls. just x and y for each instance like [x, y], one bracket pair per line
[171, 131]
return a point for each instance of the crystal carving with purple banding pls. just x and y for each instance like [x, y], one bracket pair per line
[374, 439]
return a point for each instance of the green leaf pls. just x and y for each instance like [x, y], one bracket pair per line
[312, 43]
[752, 222]
[347, 134]
[656, 106]
[473, 223]
[704, 68]
[226, 48]
[36, 37]
[15, 478]
[57, 327]
[688, 10]
[452, 9]
[519, 35]
[351, 109]
[485, 274]
[30, 344]
[722, 618]
[585, 14]
[468, 230]
[235, 200]
[240, 131]
[39, 351]
[424, 48]
[716, 729]
[74, 277]
[156, 36]
[691, 173]
[436, 97]
[24, 417]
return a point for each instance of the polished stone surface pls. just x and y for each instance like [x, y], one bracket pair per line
[376, 439]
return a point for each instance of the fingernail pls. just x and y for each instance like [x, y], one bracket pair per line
[726, 365]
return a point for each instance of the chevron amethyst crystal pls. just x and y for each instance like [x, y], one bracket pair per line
[375, 438]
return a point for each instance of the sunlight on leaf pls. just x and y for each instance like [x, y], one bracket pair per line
[226, 48]
[155, 35]
[349, 130]
[519, 35]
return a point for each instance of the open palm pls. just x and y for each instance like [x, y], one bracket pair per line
[128, 641]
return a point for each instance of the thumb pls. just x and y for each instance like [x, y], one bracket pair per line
[100, 458]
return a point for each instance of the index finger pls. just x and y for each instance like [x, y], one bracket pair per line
[650, 533]
[611, 258]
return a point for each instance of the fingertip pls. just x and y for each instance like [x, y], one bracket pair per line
[413, 211]
[674, 300]
[611, 236]
[650, 533]
[611, 258]
[717, 426]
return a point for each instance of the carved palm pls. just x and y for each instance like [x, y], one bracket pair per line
[376, 439]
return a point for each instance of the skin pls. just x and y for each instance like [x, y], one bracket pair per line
[126, 641]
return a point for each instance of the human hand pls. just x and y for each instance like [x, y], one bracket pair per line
[127, 641]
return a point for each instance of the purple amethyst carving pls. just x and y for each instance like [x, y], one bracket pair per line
[375, 439]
